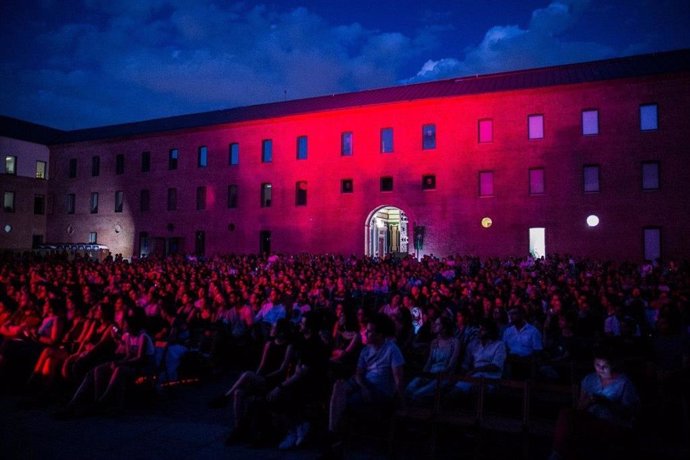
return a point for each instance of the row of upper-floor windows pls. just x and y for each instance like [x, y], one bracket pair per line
[591, 183]
[40, 170]
[648, 116]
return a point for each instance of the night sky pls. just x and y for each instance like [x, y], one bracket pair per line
[73, 64]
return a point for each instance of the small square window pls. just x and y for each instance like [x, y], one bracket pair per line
[486, 131]
[173, 158]
[387, 140]
[119, 201]
[95, 166]
[386, 184]
[202, 157]
[536, 126]
[93, 203]
[429, 182]
[119, 164]
[649, 117]
[591, 178]
[346, 143]
[301, 193]
[428, 137]
[302, 148]
[234, 154]
[11, 165]
[41, 170]
[145, 161]
[486, 183]
[590, 122]
[536, 181]
[650, 175]
[267, 151]
[346, 186]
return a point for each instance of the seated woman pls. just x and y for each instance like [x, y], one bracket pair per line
[605, 411]
[443, 357]
[346, 342]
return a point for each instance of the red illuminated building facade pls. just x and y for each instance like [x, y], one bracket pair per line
[588, 159]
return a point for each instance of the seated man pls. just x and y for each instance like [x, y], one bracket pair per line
[486, 356]
[524, 344]
[378, 379]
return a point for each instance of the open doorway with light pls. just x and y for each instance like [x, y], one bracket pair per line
[537, 242]
[385, 232]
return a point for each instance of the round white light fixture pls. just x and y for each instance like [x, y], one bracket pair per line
[487, 222]
[7, 228]
[592, 220]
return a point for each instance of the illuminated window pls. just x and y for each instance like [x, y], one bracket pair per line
[72, 169]
[386, 140]
[428, 182]
[93, 238]
[266, 195]
[649, 117]
[536, 181]
[41, 168]
[93, 203]
[346, 186]
[8, 201]
[119, 200]
[486, 183]
[301, 193]
[95, 166]
[302, 148]
[386, 184]
[173, 157]
[590, 122]
[590, 174]
[10, 164]
[267, 151]
[119, 164]
[234, 154]
[535, 125]
[172, 199]
[652, 242]
[145, 161]
[200, 198]
[70, 204]
[233, 196]
[202, 157]
[144, 200]
[428, 137]
[650, 175]
[346, 144]
[486, 131]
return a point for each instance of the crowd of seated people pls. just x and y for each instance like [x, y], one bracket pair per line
[315, 324]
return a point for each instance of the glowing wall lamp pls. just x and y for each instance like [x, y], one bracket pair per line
[592, 220]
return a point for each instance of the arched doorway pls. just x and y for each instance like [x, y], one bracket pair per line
[385, 232]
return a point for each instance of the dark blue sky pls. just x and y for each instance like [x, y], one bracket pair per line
[73, 64]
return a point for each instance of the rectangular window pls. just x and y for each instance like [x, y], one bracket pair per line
[346, 186]
[266, 151]
[71, 203]
[429, 182]
[301, 193]
[119, 200]
[486, 183]
[41, 170]
[650, 175]
[386, 184]
[386, 140]
[145, 161]
[202, 157]
[486, 131]
[72, 169]
[590, 174]
[649, 117]
[428, 137]
[119, 164]
[173, 157]
[652, 243]
[39, 204]
[536, 181]
[535, 126]
[8, 202]
[10, 165]
[302, 148]
[200, 198]
[234, 154]
[93, 203]
[95, 166]
[590, 122]
[233, 196]
[346, 143]
[172, 199]
[144, 200]
[93, 238]
[266, 194]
